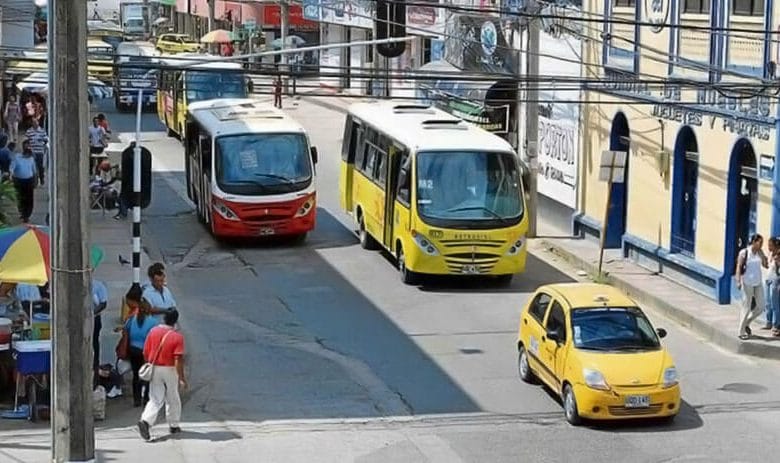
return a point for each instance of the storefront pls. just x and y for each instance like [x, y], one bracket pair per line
[699, 182]
[302, 33]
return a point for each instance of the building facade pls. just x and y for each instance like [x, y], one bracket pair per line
[687, 88]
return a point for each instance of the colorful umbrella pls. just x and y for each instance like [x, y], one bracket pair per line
[218, 36]
[24, 255]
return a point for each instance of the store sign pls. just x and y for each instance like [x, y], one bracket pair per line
[748, 115]
[494, 119]
[477, 43]
[657, 14]
[272, 17]
[425, 20]
[353, 13]
[311, 10]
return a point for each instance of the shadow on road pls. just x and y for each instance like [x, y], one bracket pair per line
[213, 436]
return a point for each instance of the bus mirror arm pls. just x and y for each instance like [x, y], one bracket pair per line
[314, 155]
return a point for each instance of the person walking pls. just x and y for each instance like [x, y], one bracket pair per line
[774, 277]
[138, 328]
[772, 245]
[748, 273]
[164, 349]
[97, 137]
[5, 155]
[12, 115]
[38, 140]
[99, 304]
[23, 171]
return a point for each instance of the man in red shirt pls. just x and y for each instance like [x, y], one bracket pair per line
[164, 348]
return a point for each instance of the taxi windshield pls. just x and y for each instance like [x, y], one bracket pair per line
[613, 329]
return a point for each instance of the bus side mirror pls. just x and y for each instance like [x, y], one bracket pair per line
[314, 155]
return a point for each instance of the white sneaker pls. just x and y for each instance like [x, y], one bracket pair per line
[114, 392]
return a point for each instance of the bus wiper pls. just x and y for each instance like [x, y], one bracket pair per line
[277, 177]
[474, 208]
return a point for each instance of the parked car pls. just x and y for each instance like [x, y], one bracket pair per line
[177, 43]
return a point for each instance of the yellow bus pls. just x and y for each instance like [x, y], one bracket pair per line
[441, 195]
[101, 60]
[187, 78]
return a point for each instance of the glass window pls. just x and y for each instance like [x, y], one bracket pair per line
[612, 329]
[263, 163]
[207, 85]
[405, 180]
[696, 6]
[368, 169]
[477, 187]
[557, 320]
[539, 306]
[747, 7]
[381, 168]
[624, 3]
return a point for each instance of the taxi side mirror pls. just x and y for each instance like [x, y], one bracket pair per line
[553, 335]
[661, 333]
[314, 155]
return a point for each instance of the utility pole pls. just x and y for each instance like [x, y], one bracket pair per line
[72, 424]
[284, 19]
[532, 115]
[212, 7]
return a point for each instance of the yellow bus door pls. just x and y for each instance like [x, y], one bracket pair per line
[353, 139]
[393, 165]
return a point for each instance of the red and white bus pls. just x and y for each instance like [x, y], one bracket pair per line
[250, 169]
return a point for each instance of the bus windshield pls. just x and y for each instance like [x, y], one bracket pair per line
[208, 85]
[258, 164]
[469, 189]
[101, 54]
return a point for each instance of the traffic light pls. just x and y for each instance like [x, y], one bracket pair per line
[127, 176]
[390, 23]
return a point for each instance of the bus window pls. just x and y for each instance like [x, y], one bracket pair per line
[370, 161]
[405, 180]
[205, 151]
[352, 132]
[380, 174]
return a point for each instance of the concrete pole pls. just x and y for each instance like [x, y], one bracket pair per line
[284, 20]
[72, 425]
[532, 116]
[212, 7]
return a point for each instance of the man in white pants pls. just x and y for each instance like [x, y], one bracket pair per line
[164, 348]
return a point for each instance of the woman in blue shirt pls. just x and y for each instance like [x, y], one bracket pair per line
[24, 174]
[138, 327]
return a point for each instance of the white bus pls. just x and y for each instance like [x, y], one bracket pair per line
[250, 169]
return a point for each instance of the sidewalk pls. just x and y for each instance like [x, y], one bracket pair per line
[715, 323]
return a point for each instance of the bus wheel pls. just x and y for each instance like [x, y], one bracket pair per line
[408, 277]
[366, 240]
[504, 280]
[299, 239]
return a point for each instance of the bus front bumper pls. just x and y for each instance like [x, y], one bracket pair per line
[263, 229]
[499, 264]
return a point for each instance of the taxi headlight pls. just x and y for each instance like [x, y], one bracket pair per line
[670, 377]
[518, 244]
[424, 243]
[594, 379]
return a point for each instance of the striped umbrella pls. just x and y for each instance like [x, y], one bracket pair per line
[24, 255]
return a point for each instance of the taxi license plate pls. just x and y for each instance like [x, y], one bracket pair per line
[637, 401]
[469, 270]
[267, 231]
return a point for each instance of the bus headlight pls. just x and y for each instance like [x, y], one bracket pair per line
[515, 248]
[424, 243]
[305, 208]
[225, 211]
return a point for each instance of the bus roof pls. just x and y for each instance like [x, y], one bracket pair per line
[127, 49]
[197, 61]
[422, 127]
[233, 116]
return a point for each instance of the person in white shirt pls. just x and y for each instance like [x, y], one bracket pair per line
[97, 137]
[750, 280]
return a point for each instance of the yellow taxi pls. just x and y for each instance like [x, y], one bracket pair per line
[594, 347]
[177, 43]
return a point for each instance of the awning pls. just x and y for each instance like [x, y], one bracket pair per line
[473, 97]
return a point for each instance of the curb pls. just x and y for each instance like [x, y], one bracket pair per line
[717, 336]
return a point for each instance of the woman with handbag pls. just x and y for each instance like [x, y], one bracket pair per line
[137, 328]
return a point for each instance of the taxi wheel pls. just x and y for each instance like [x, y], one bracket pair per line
[570, 406]
[523, 368]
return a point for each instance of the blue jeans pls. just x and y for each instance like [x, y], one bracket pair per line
[772, 292]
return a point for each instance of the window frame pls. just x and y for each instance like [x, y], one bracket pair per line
[684, 7]
[555, 304]
[405, 176]
[535, 305]
[753, 12]
[624, 3]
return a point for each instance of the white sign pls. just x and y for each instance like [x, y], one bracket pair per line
[612, 166]
[657, 14]
[559, 115]
[353, 13]
[425, 20]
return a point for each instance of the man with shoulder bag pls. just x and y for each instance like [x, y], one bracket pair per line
[164, 354]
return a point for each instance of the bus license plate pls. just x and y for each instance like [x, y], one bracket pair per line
[265, 231]
[469, 270]
[637, 401]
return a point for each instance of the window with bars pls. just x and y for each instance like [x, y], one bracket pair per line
[696, 6]
[747, 7]
[624, 3]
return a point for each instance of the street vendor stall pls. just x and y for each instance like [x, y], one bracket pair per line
[25, 348]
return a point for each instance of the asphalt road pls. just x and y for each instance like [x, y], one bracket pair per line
[324, 337]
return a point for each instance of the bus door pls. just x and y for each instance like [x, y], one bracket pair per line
[353, 139]
[402, 208]
[393, 166]
[178, 101]
[205, 174]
